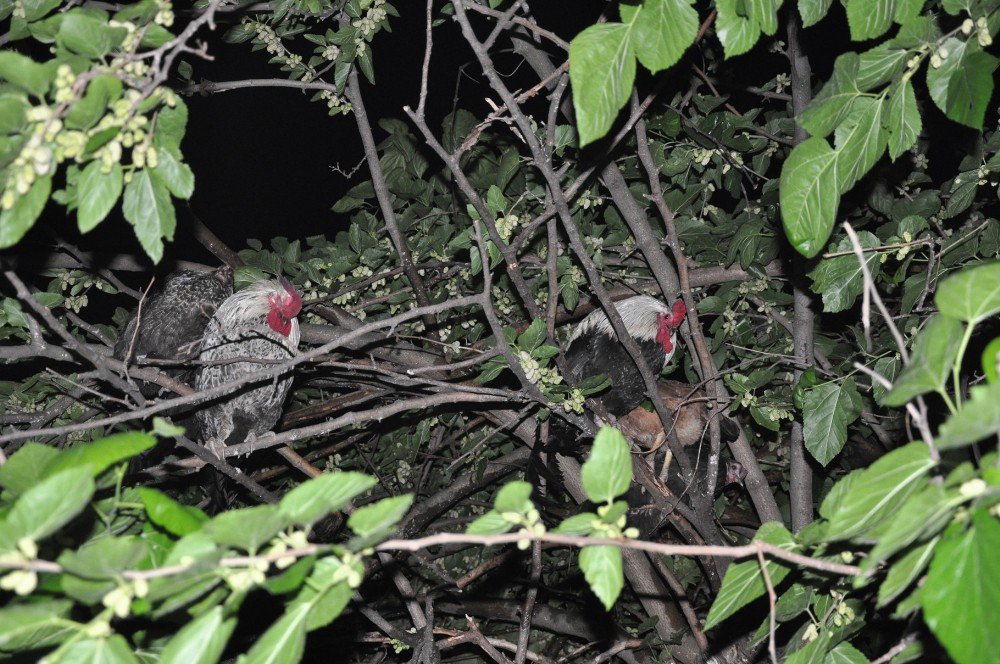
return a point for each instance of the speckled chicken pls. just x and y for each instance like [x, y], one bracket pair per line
[170, 323]
[258, 323]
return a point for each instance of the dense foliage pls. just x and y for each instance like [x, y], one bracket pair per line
[838, 254]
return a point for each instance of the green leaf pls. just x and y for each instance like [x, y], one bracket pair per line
[808, 194]
[36, 9]
[166, 429]
[905, 571]
[744, 582]
[103, 453]
[171, 123]
[25, 73]
[326, 599]
[491, 523]
[737, 31]
[533, 336]
[84, 33]
[765, 14]
[978, 418]
[15, 222]
[664, 29]
[578, 524]
[174, 173]
[813, 10]
[845, 653]
[147, 207]
[246, 528]
[879, 65]
[26, 468]
[607, 474]
[201, 641]
[961, 598]
[602, 70]
[312, 500]
[105, 558]
[832, 104]
[284, 641]
[165, 512]
[903, 120]
[35, 626]
[96, 194]
[826, 412]
[48, 506]
[112, 650]
[840, 279]
[963, 85]
[923, 509]
[869, 18]
[933, 356]
[514, 497]
[878, 491]
[991, 360]
[378, 518]
[861, 141]
[13, 108]
[602, 568]
[972, 294]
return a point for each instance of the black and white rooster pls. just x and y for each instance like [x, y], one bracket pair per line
[257, 323]
[170, 323]
[594, 348]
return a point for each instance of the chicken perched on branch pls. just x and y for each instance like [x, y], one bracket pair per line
[258, 323]
[594, 348]
[170, 323]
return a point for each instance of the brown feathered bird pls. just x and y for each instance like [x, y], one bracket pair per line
[170, 323]
[258, 323]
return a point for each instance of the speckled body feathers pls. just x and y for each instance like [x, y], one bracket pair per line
[239, 329]
[172, 320]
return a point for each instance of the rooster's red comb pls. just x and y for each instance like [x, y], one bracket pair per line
[680, 311]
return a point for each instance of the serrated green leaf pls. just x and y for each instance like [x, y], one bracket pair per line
[869, 18]
[934, 354]
[248, 528]
[963, 85]
[33, 626]
[284, 641]
[909, 523]
[170, 515]
[105, 558]
[960, 600]
[879, 491]
[19, 219]
[491, 523]
[737, 31]
[971, 294]
[83, 33]
[808, 194]
[978, 418]
[602, 568]
[314, 499]
[102, 453]
[26, 468]
[663, 30]
[744, 582]
[96, 194]
[25, 73]
[840, 279]
[831, 105]
[861, 141]
[903, 120]
[174, 173]
[813, 11]
[379, 517]
[112, 650]
[607, 473]
[826, 412]
[48, 506]
[148, 208]
[578, 524]
[201, 641]
[602, 70]
[905, 571]
[513, 497]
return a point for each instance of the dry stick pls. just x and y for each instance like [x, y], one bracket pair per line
[918, 411]
[269, 372]
[677, 588]
[100, 362]
[772, 599]
[353, 93]
[803, 327]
